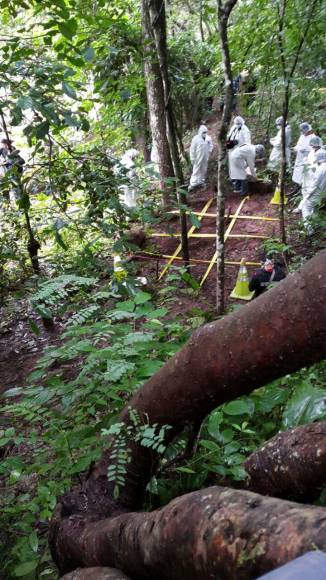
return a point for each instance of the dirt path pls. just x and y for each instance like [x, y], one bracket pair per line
[20, 348]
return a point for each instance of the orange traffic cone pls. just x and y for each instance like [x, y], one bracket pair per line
[241, 290]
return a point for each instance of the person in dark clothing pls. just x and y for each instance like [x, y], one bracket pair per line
[264, 277]
[11, 157]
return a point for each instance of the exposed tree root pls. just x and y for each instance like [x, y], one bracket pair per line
[291, 464]
[212, 533]
[278, 333]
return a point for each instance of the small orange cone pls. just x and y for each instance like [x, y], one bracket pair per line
[241, 290]
[276, 199]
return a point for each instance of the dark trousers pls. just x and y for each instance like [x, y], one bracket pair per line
[241, 185]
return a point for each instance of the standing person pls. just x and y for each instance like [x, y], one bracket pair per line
[315, 189]
[276, 142]
[199, 154]
[302, 149]
[241, 159]
[309, 169]
[239, 134]
[262, 278]
[129, 197]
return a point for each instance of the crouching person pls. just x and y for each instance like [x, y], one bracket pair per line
[264, 277]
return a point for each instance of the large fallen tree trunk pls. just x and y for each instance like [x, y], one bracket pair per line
[213, 533]
[291, 464]
[276, 334]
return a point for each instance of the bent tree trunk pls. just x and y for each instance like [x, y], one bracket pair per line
[221, 361]
[213, 533]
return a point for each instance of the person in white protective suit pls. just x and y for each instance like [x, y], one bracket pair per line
[276, 142]
[241, 160]
[315, 189]
[309, 169]
[302, 149]
[129, 194]
[199, 154]
[239, 134]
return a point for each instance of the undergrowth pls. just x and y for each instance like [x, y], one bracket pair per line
[115, 339]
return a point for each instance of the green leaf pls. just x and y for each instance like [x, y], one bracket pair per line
[13, 392]
[194, 220]
[185, 470]
[24, 569]
[116, 370]
[239, 407]
[33, 541]
[149, 368]
[69, 90]
[60, 241]
[127, 306]
[25, 102]
[214, 422]
[41, 130]
[68, 28]
[89, 54]
[306, 405]
[142, 297]
[209, 445]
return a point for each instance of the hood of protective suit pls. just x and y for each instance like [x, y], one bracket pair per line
[239, 121]
[202, 129]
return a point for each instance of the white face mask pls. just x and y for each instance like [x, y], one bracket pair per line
[204, 135]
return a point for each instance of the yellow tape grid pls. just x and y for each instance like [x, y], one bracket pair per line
[158, 235]
[239, 217]
[226, 236]
[178, 250]
[195, 260]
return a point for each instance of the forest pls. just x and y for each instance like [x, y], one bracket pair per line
[162, 289]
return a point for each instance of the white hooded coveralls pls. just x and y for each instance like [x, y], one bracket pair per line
[199, 154]
[275, 156]
[308, 173]
[242, 158]
[129, 195]
[302, 149]
[316, 188]
[239, 133]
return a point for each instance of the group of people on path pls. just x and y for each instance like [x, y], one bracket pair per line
[309, 172]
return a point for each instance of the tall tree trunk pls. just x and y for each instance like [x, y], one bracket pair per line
[213, 533]
[156, 105]
[33, 245]
[221, 361]
[158, 23]
[224, 11]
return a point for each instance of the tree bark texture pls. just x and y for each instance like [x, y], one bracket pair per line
[156, 105]
[213, 533]
[291, 464]
[156, 10]
[222, 360]
[97, 573]
[223, 12]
